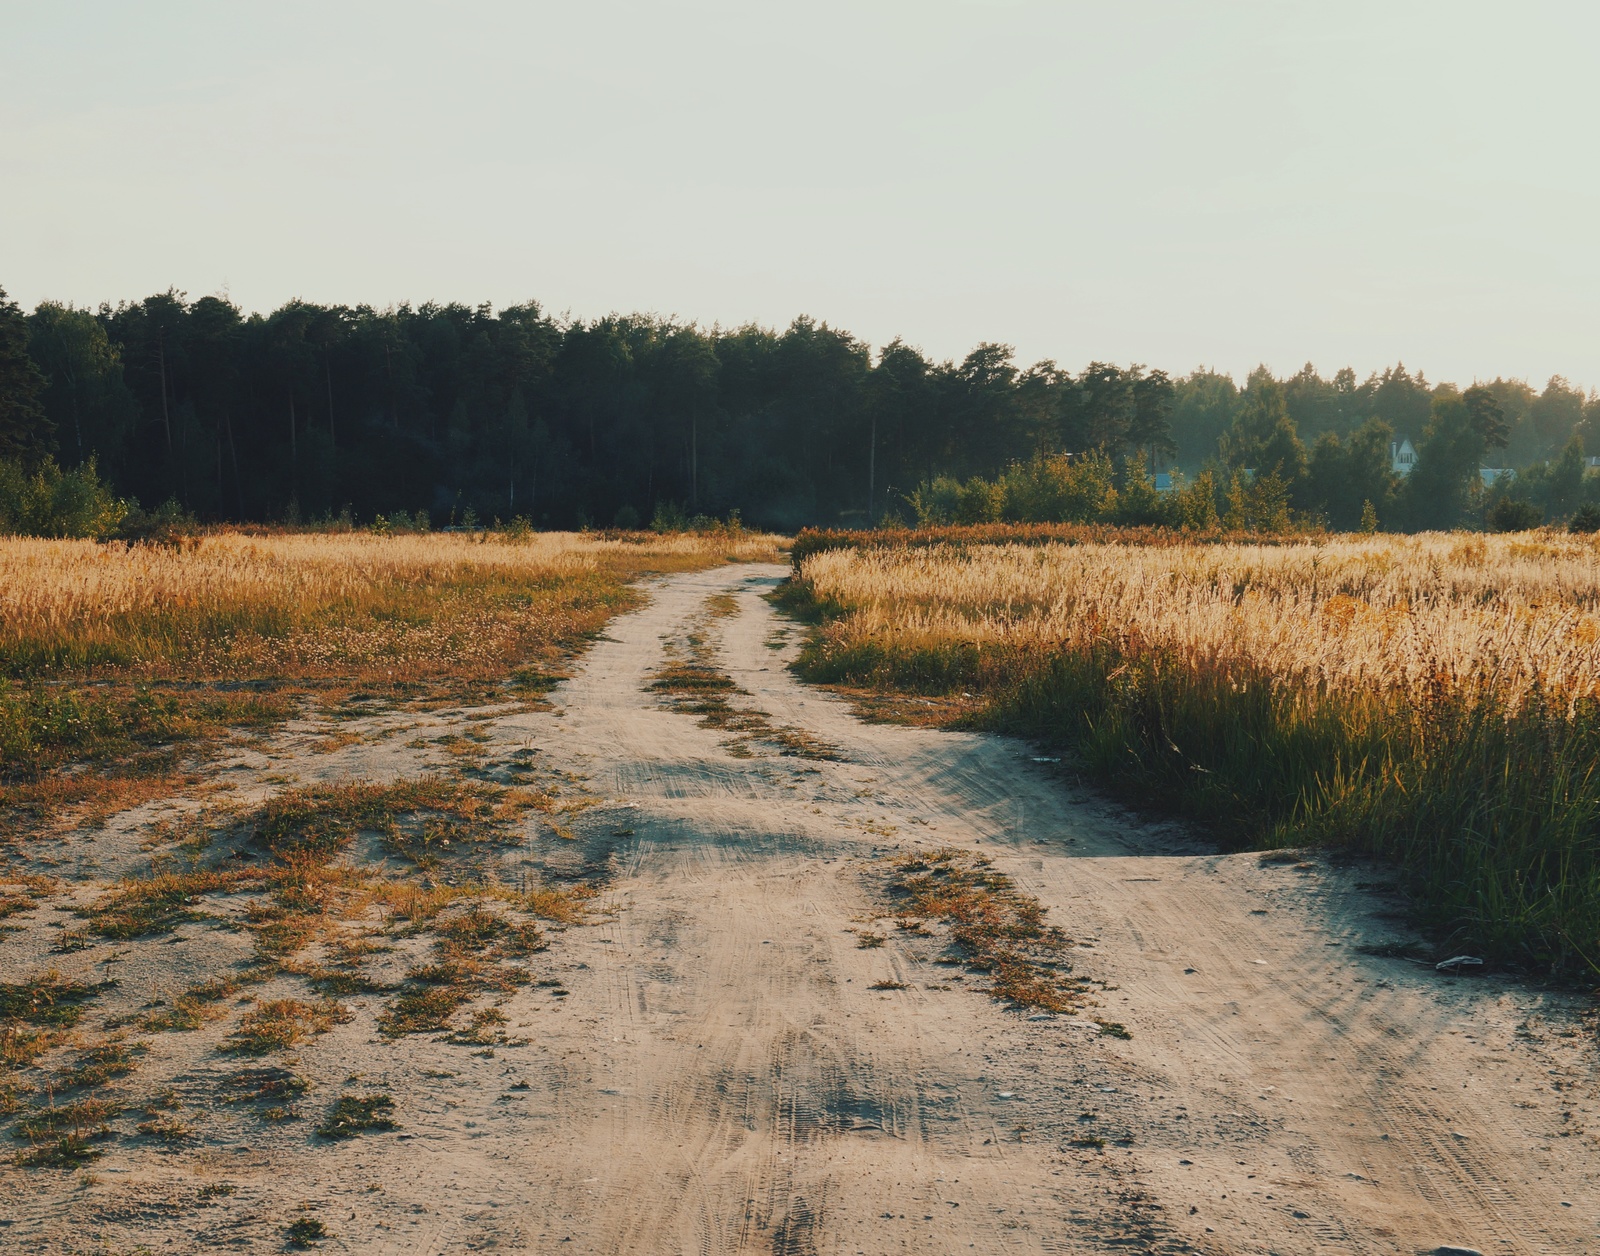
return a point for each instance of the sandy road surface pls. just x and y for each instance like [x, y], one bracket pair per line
[722, 1077]
[741, 1089]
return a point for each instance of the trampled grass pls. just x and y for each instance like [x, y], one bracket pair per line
[1434, 699]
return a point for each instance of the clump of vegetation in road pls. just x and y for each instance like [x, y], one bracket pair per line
[1432, 699]
[692, 681]
[353, 1115]
[989, 924]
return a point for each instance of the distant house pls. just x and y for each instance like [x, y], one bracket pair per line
[1493, 475]
[1402, 457]
[1163, 481]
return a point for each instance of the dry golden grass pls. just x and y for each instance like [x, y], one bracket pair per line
[237, 604]
[1510, 613]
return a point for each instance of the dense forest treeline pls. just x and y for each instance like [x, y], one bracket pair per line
[444, 409]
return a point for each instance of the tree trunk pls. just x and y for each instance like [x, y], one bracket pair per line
[233, 456]
[872, 466]
[166, 418]
[327, 371]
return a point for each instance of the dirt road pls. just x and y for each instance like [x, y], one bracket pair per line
[722, 1077]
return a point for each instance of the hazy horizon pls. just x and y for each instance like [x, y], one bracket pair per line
[1250, 184]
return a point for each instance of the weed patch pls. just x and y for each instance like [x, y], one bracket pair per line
[990, 925]
[274, 1090]
[280, 1024]
[157, 904]
[96, 1065]
[71, 1151]
[352, 1115]
[166, 1128]
[50, 1000]
[305, 1232]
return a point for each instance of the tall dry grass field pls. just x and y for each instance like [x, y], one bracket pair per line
[312, 604]
[107, 648]
[1432, 698]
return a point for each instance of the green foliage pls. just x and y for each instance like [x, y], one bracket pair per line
[1585, 519]
[1508, 514]
[27, 436]
[1263, 438]
[669, 517]
[1346, 476]
[48, 501]
[306, 1231]
[400, 522]
[318, 412]
[1257, 503]
[356, 1114]
[50, 1001]
[1445, 482]
[1194, 506]
[70, 1151]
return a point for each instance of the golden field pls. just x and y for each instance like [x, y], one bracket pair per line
[238, 604]
[1406, 613]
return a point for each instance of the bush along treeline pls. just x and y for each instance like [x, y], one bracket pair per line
[438, 410]
[1264, 479]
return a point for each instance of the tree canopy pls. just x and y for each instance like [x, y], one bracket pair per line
[309, 409]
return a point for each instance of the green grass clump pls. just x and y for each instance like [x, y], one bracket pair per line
[356, 1114]
[71, 1151]
[50, 1001]
[277, 1087]
[157, 904]
[281, 1023]
[95, 1066]
[423, 1011]
[305, 1232]
[82, 1117]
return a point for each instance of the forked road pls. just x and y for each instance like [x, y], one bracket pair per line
[723, 1078]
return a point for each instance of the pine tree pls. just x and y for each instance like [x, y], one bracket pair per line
[26, 433]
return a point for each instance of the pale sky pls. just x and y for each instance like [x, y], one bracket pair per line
[1171, 183]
